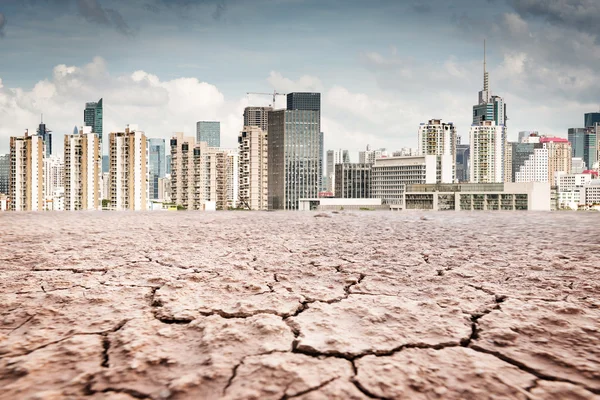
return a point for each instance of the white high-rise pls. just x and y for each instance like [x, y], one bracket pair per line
[233, 173]
[488, 144]
[253, 168]
[334, 157]
[437, 138]
[129, 173]
[54, 169]
[26, 174]
[83, 167]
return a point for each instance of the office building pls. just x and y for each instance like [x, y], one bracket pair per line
[308, 101]
[353, 181]
[4, 173]
[168, 164]
[257, 116]
[369, 156]
[105, 164]
[334, 157]
[26, 181]
[129, 172]
[82, 179]
[488, 144]
[520, 154]
[463, 162]
[489, 108]
[46, 136]
[583, 144]
[164, 189]
[92, 116]
[390, 175]
[156, 164]
[253, 168]
[54, 171]
[209, 132]
[540, 162]
[294, 153]
[438, 139]
[591, 119]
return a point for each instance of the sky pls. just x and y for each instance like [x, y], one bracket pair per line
[381, 66]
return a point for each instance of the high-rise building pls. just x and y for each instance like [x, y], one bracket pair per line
[105, 164]
[559, 156]
[233, 181]
[129, 177]
[295, 154]
[92, 116]
[54, 171]
[520, 156]
[253, 168]
[353, 181]
[209, 132]
[156, 164]
[26, 182]
[183, 178]
[82, 171]
[334, 157]
[583, 144]
[168, 164]
[4, 173]
[541, 162]
[463, 162]
[489, 107]
[46, 136]
[488, 144]
[257, 116]
[369, 156]
[591, 119]
[437, 138]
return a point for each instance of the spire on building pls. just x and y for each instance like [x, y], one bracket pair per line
[484, 95]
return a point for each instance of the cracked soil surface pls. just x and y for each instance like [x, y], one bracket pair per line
[243, 305]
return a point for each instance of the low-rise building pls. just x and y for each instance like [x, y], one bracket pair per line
[353, 181]
[340, 204]
[390, 176]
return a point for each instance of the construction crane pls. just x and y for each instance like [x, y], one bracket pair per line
[274, 94]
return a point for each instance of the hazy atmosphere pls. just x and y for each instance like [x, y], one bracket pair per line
[381, 70]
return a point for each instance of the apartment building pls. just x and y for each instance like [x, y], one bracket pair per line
[82, 171]
[438, 139]
[54, 170]
[253, 168]
[129, 172]
[488, 144]
[26, 181]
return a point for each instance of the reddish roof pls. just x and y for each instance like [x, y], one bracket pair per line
[590, 171]
[547, 139]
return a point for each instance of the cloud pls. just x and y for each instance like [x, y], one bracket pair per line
[92, 11]
[582, 15]
[183, 7]
[159, 107]
[2, 24]
[305, 83]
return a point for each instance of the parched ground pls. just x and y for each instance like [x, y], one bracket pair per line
[350, 305]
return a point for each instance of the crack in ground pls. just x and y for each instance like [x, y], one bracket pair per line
[23, 323]
[312, 389]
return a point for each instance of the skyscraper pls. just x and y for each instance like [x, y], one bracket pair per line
[156, 164]
[583, 145]
[489, 108]
[257, 116]
[82, 171]
[253, 168]
[334, 157]
[209, 132]
[304, 101]
[463, 162]
[437, 138]
[295, 157]
[92, 116]
[4, 172]
[46, 136]
[488, 142]
[591, 119]
[26, 181]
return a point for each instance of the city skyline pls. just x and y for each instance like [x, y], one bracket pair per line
[375, 91]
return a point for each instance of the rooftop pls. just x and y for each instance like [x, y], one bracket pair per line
[185, 305]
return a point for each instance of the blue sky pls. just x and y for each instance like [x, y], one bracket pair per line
[382, 66]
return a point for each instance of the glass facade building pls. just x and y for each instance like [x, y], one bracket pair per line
[4, 172]
[463, 159]
[92, 116]
[521, 152]
[209, 132]
[168, 164]
[583, 144]
[304, 101]
[46, 136]
[156, 164]
[591, 119]
[353, 180]
[294, 157]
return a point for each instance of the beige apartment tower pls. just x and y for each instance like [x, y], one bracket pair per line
[253, 168]
[82, 171]
[128, 171]
[26, 173]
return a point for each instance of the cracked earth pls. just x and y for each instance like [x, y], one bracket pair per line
[241, 305]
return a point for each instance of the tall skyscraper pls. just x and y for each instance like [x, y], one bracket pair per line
[4, 172]
[46, 136]
[487, 146]
[82, 171]
[591, 119]
[304, 101]
[437, 138]
[156, 164]
[92, 116]
[489, 107]
[129, 186]
[334, 157]
[26, 181]
[295, 157]
[253, 168]
[209, 132]
[257, 116]
[583, 145]
[463, 162]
